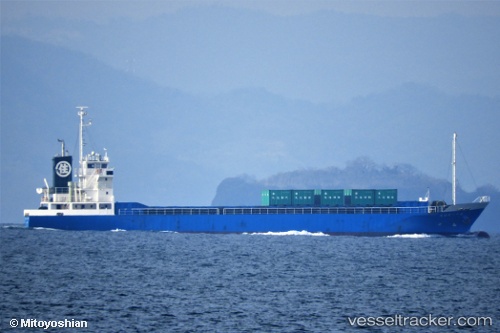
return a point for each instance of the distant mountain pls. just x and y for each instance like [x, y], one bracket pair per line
[360, 173]
[319, 55]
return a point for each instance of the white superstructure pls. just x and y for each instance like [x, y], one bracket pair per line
[91, 194]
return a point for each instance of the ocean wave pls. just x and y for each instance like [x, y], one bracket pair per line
[42, 228]
[410, 236]
[13, 226]
[288, 233]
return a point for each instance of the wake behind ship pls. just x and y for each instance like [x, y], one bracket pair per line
[89, 204]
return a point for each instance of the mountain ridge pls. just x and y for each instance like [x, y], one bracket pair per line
[361, 173]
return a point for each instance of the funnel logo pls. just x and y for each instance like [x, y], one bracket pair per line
[63, 169]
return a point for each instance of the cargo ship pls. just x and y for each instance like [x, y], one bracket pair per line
[88, 203]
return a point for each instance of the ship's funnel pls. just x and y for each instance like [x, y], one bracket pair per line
[62, 170]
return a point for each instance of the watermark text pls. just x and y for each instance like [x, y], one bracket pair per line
[423, 321]
[46, 324]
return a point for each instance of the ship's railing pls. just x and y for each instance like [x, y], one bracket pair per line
[169, 211]
[58, 190]
[328, 210]
[484, 198]
[278, 210]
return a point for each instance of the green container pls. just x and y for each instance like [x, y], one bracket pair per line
[276, 198]
[386, 197]
[362, 197]
[332, 197]
[264, 198]
[303, 197]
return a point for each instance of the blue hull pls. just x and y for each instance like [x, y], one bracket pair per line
[452, 222]
[88, 204]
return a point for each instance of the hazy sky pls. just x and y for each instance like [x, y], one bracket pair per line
[104, 10]
[442, 43]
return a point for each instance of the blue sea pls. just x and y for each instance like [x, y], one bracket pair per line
[126, 281]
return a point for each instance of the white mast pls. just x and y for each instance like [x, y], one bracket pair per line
[81, 114]
[454, 170]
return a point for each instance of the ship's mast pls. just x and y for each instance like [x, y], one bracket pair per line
[81, 114]
[454, 170]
